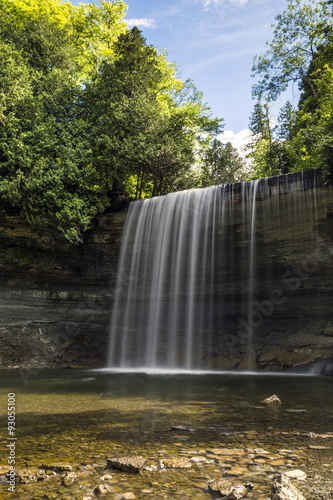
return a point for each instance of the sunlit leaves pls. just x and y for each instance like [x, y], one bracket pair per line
[298, 33]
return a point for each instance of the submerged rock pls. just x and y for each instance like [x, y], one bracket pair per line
[26, 477]
[106, 477]
[69, 478]
[176, 463]
[57, 467]
[227, 489]
[271, 400]
[295, 474]
[284, 490]
[127, 464]
[101, 489]
[181, 428]
[125, 496]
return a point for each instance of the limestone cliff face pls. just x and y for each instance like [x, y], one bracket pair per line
[287, 322]
[55, 305]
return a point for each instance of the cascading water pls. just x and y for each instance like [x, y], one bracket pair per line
[174, 300]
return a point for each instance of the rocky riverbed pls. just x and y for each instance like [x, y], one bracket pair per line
[84, 435]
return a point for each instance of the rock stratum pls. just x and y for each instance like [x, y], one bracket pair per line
[55, 304]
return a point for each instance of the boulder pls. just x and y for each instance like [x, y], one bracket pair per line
[283, 489]
[127, 464]
[272, 400]
[227, 489]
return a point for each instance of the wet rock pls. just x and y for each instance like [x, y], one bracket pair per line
[260, 451]
[101, 489]
[295, 474]
[127, 464]
[228, 490]
[198, 460]
[226, 451]
[149, 468]
[4, 469]
[310, 434]
[271, 400]
[26, 477]
[181, 428]
[218, 363]
[125, 496]
[284, 490]
[69, 478]
[176, 463]
[248, 363]
[106, 477]
[41, 474]
[313, 447]
[237, 470]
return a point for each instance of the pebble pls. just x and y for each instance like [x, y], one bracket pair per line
[198, 459]
[106, 477]
[101, 489]
[181, 428]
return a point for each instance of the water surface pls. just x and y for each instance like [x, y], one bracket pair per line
[81, 417]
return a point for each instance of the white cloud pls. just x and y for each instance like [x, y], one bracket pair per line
[239, 140]
[141, 23]
[216, 3]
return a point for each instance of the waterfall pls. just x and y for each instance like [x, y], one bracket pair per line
[174, 301]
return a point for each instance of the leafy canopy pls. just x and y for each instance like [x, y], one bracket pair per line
[88, 108]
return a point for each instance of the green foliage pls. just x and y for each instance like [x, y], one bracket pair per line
[87, 108]
[313, 140]
[145, 124]
[44, 175]
[301, 51]
[221, 164]
[298, 33]
[25, 256]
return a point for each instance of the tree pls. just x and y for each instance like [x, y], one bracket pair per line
[269, 156]
[260, 124]
[92, 28]
[86, 106]
[298, 33]
[145, 125]
[286, 121]
[43, 149]
[221, 164]
[123, 111]
[313, 141]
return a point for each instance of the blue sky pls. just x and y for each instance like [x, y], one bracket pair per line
[213, 43]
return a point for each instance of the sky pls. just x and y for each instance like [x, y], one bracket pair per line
[213, 42]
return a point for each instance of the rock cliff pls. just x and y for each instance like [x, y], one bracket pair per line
[55, 303]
